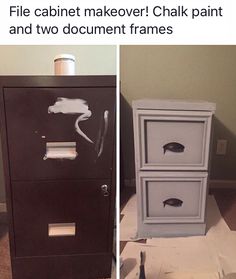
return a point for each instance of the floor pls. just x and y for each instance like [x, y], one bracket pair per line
[5, 266]
[225, 198]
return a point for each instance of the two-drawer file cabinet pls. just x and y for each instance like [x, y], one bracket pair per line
[172, 143]
[58, 135]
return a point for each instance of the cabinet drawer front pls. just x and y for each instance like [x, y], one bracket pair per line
[173, 140]
[60, 133]
[64, 267]
[64, 217]
[169, 199]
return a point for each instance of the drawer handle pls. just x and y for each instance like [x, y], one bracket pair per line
[60, 150]
[173, 202]
[61, 229]
[173, 147]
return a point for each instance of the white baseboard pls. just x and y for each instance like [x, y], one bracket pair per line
[3, 207]
[223, 184]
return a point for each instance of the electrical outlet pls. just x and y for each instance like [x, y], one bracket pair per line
[221, 147]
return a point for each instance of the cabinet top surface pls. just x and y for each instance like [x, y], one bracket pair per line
[174, 104]
[58, 81]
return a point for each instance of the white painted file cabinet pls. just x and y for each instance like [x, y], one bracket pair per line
[172, 142]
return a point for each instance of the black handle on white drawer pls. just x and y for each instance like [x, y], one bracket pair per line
[173, 147]
[173, 202]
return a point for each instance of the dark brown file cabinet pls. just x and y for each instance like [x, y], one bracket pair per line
[58, 139]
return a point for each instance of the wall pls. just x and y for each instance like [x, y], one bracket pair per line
[38, 60]
[182, 72]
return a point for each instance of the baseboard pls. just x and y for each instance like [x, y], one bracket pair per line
[3, 207]
[223, 184]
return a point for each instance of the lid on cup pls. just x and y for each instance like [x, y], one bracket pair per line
[64, 56]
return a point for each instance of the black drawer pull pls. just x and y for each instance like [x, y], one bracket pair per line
[173, 202]
[173, 147]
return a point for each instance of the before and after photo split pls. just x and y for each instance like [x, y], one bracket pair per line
[118, 140]
[171, 214]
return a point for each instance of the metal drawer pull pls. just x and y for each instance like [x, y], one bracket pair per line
[173, 147]
[105, 191]
[61, 229]
[173, 202]
[60, 150]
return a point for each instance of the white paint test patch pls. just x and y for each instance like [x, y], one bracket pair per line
[73, 106]
[105, 116]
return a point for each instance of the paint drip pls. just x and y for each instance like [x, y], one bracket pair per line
[105, 116]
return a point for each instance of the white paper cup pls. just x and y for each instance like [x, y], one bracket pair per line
[64, 64]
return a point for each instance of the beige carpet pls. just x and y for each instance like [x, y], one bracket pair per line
[200, 257]
[5, 266]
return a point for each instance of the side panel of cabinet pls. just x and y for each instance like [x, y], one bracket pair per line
[4, 146]
[60, 133]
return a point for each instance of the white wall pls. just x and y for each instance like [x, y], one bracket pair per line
[38, 60]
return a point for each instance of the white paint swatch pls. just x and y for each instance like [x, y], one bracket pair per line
[73, 106]
[105, 117]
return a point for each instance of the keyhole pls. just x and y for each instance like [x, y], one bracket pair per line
[105, 190]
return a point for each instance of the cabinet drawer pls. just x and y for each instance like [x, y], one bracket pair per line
[172, 140]
[64, 217]
[60, 133]
[172, 197]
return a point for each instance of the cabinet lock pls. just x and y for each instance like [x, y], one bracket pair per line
[105, 191]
